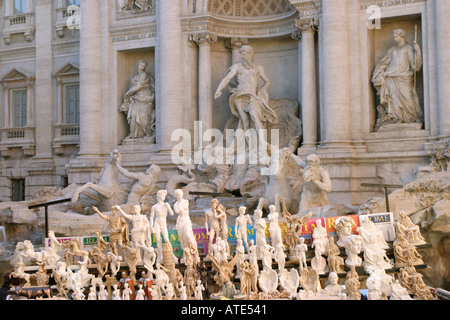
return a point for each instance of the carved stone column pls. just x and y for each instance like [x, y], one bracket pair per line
[90, 79]
[170, 80]
[443, 65]
[336, 74]
[205, 91]
[235, 45]
[308, 83]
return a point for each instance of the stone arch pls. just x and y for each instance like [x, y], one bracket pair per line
[249, 8]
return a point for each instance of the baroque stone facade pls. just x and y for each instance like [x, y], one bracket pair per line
[63, 80]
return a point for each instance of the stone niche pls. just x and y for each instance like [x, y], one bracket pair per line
[379, 41]
[126, 68]
[279, 58]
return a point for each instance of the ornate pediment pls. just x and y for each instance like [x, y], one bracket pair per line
[68, 70]
[16, 75]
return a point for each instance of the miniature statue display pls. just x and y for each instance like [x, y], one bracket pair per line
[197, 280]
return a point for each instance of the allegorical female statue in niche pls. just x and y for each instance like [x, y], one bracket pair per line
[394, 80]
[139, 104]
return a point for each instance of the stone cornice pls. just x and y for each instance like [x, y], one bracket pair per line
[364, 4]
[133, 32]
[244, 28]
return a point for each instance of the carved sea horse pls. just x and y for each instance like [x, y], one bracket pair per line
[108, 190]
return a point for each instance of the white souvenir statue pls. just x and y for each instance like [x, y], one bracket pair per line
[319, 245]
[267, 257]
[218, 250]
[102, 293]
[333, 289]
[184, 224]
[198, 294]
[183, 293]
[155, 292]
[240, 228]
[159, 224]
[335, 262]
[212, 222]
[78, 294]
[92, 294]
[52, 256]
[289, 281]
[369, 230]
[268, 281]
[408, 229]
[149, 258]
[352, 246]
[141, 231]
[378, 283]
[280, 257]
[375, 256]
[126, 292]
[116, 293]
[343, 227]
[398, 292]
[300, 251]
[252, 255]
[274, 227]
[320, 238]
[140, 293]
[240, 252]
[260, 232]
[114, 263]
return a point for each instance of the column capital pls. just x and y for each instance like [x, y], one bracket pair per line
[236, 43]
[204, 38]
[307, 25]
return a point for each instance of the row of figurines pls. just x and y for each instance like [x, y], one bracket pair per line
[254, 285]
[370, 240]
